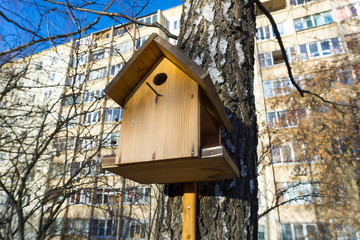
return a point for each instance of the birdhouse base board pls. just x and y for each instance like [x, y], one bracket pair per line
[175, 170]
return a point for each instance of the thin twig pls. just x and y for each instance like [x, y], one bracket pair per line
[112, 14]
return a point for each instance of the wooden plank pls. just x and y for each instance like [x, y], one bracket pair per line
[218, 167]
[124, 81]
[178, 171]
[133, 91]
[198, 74]
[209, 129]
[144, 58]
[166, 129]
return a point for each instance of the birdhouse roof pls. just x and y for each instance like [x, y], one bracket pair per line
[126, 82]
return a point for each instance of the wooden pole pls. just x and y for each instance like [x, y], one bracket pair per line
[189, 211]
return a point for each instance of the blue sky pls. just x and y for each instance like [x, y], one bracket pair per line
[45, 18]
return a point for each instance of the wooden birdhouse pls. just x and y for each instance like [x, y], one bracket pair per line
[170, 130]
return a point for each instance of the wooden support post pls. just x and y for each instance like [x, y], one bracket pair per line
[189, 211]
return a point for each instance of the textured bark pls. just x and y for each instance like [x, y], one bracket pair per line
[219, 36]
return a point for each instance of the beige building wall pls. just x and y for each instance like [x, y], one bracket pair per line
[270, 69]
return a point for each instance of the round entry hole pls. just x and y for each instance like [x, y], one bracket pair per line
[160, 79]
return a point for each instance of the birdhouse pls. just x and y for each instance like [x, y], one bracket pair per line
[170, 130]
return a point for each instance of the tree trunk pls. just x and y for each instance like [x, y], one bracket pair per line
[219, 36]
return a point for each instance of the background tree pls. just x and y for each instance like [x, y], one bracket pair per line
[218, 36]
[320, 134]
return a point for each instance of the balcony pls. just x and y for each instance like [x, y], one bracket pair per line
[272, 5]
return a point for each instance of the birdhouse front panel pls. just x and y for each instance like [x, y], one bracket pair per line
[161, 117]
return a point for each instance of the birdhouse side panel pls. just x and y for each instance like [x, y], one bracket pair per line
[162, 119]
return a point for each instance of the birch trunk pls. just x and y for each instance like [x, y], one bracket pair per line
[219, 36]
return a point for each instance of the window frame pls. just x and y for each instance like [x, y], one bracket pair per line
[90, 118]
[307, 53]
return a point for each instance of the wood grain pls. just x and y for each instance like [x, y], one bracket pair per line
[166, 129]
[143, 60]
[177, 170]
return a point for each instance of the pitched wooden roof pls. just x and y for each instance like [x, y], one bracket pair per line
[126, 81]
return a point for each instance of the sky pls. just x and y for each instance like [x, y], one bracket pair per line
[44, 18]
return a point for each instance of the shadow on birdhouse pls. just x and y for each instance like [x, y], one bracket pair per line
[170, 130]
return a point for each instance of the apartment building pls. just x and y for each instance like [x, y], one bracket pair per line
[60, 93]
[68, 81]
[315, 33]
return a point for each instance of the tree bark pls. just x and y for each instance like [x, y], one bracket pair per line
[219, 36]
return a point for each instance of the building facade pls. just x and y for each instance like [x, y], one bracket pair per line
[62, 89]
[319, 37]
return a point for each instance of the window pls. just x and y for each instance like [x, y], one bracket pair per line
[113, 114]
[59, 170]
[84, 168]
[287, 152]
[261, 232]
[116, 68]
[122, 48]
[105, 228]
[35, 81]
[70, 100]
[110, 139]
[138, 195]
[93, 95]
[77, 227]
[61, 144]
[149, 19]
[88, 143]
[83, 59]
[137, 229]
[285, 28]
[299, 2]
[79, 80]
[120, 31]
[176, 23]
[320, 49]
[279, 87]
[97, 74]
[298, 193]
[68, 121]
[140, 42]
[349, 11]
[265, 60]
[80, 196]
[315, 20]
[55, 227]
[96, 56]
[264, 33]
[267, 32]
[39, 65]
[284, 118]
[296, 231]
[52, 77]
[108, 196]
[276, 57]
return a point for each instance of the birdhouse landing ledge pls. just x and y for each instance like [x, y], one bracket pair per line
[170, 130]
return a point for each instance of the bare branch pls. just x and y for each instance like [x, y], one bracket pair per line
[18, 25]
[112, 14]
[288, 67]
